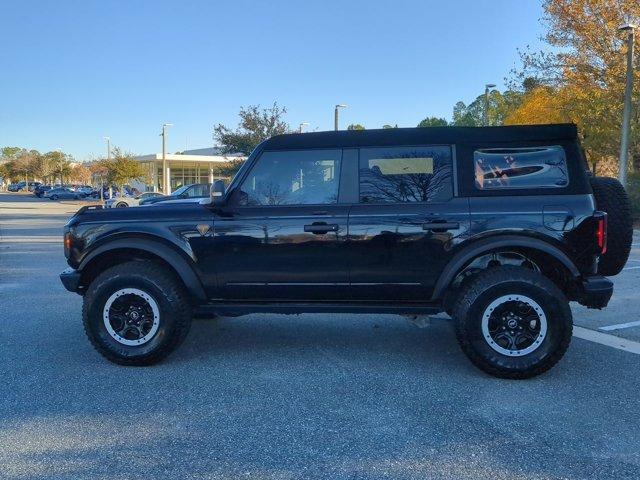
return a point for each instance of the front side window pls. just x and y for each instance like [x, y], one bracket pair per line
[297, 177]
[406, 174]
[198, 191]
[535, 167]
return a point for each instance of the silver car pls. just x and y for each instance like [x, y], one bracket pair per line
[63, 193]
[122, 202]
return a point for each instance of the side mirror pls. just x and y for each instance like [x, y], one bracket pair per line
[217, 191]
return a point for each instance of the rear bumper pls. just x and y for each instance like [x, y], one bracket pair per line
[595, 292]
[70, 278]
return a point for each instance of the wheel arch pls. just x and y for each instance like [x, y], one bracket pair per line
[533, 246]
[124, 250]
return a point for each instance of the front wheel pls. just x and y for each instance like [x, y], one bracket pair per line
[136, 313]
[54, 197]
[121, 205]
[512, 322]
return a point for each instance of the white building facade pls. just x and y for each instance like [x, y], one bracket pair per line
[190, 166]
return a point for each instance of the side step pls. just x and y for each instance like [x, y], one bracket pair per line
[295, 308]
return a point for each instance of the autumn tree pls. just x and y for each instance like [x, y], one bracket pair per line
[256, 125]
[81, 174]
[585, 65]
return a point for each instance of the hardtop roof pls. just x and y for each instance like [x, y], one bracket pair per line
[418, 136]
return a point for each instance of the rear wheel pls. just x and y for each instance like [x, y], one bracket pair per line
[121, 205]
[512, 322]
[54, 197]
[612, 198]
[136, 313]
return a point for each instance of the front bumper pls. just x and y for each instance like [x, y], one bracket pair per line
[595, 292]
[70, 278]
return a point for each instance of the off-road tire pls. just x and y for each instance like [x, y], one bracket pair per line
[612, 198]
[167, 291]
[490, 284]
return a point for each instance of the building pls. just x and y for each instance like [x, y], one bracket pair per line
[189, 166]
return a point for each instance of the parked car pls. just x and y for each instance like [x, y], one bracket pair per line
[62, 193]
[195, 190]
[122, 202]
[501, 227]
[40, 190]
[20, 186]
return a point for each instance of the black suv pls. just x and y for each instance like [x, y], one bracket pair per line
[500, 227]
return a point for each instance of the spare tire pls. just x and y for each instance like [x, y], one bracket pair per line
[612, 198]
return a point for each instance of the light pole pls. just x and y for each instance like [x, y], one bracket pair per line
[302, 125]
[626, 116]
[487, 87]
[165, 179]
[335, 115]
[108, 139]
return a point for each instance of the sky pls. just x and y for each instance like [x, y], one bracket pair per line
[76, 71]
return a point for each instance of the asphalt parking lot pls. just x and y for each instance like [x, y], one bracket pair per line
[285, 397]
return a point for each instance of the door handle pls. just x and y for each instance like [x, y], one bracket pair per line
[319, 228]
[440, 226]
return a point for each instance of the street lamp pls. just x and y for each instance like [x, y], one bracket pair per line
[335, 115]
[166, 184]
[302, 125]
[108, 139]
[626, 116]
[487, 87]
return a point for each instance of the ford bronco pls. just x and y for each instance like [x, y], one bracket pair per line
[500, 227]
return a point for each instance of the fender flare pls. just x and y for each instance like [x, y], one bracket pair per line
[486, 245]
[170, 255]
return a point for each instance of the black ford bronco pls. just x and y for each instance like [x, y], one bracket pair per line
[500, 227]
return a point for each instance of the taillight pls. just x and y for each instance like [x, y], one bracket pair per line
[67, 244]
[601, 233]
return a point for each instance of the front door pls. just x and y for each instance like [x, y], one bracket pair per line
[285, 234]
[405, 223]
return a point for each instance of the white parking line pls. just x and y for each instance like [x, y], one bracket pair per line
[606, 339]
[620, 326]
[632, 268]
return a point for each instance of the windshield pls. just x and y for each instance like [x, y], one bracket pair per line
[180, 191]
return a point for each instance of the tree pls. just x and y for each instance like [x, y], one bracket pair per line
[389, 126]
[227, 169]
[41, 166]
[81, 174]
[433, 122]
[585, 64]
[21, 167]
[60, 165]
[500, 106]
[123, 168]
[355, 126]
[256, 125]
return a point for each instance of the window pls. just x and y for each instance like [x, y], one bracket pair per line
[498, 168]
[300, 177]
[201, 190]
[406, 174]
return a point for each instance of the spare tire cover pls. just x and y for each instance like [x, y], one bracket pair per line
[612, 198]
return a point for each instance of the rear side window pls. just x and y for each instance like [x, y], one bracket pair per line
[406, 174]
[534, 167]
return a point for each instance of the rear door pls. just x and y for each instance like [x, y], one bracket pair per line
[405, 223]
